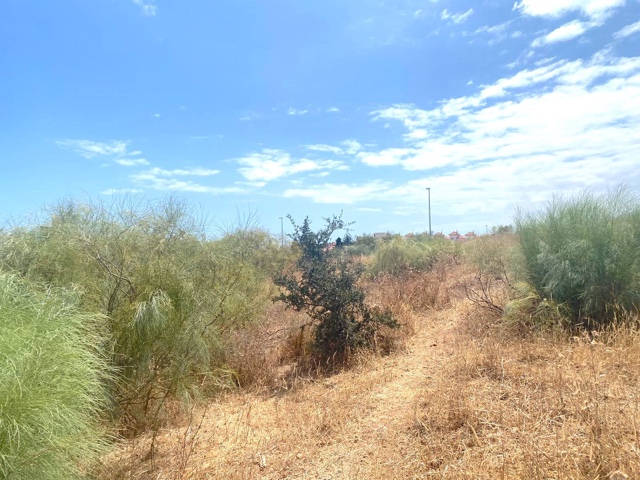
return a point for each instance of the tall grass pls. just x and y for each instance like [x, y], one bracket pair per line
[401, 256]
[584, 252]
[51, 385]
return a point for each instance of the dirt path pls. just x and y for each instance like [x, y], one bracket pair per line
[357, 424]
[455, 405]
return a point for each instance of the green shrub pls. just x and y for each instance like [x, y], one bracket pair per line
[51, 384]
[400, 256]
[584, 252]
[169, 293]
[324, 285]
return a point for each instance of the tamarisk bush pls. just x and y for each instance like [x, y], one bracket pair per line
[52, 376]
[584, 252]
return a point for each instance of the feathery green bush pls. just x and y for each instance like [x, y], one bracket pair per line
[170, 294]
[52, 380]
[584, 252]
[400, 255]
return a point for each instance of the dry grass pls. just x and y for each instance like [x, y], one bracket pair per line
[462, 401]
[544, 407]
[265, 355]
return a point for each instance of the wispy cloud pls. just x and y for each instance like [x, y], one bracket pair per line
[168, 180]
[351, 146]
[596, 10]
[270, 164]
[90, 149]
[132, 162]
[116, 151]
[347, 147]
[295, 111]
[120, 191]
[456, 17]
[325, 148]
[568, 31]
[195, 172]
[333, 110]
[390, 156]
[340, 193]
[148, 8]
[627, 31]
[557, 127]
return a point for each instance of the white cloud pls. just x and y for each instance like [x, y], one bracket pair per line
[148, 8]
[325, 148]
[568, 31]
[352, 146]
[115, 151]
[333, 110]
[559, 127]
[119, 191]
[295, 111]
[388, 157]
[196, 172]
[349, 147]
[497, 33]
[270, 165]
[596, 10]
[340, 193]
[158, 179]
[90, 149]
[131, 162]
[456, 17]
[627, 31]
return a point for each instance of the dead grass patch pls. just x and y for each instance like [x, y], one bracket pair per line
[540, 407]
[465, 399]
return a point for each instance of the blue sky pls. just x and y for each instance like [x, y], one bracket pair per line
[312, 108]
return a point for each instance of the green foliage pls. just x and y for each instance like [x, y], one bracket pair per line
[399, 255]
[170, 294]
[528, 311]
[51, 384]
[324, 286]
[584, 252]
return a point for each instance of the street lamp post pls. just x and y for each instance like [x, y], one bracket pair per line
[429, 193]
[281, 231]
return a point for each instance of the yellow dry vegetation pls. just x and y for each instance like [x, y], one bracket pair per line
[462, 399]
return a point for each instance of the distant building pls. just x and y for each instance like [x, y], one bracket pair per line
[381, 235]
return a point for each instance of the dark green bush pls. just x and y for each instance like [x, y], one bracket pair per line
[51, 384]
[323, 284]
[584, 252]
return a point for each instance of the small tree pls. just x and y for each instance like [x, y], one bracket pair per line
[324, 286]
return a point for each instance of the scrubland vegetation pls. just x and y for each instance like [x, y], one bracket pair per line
[133, 344]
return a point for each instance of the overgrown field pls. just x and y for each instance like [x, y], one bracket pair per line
[229, 356]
